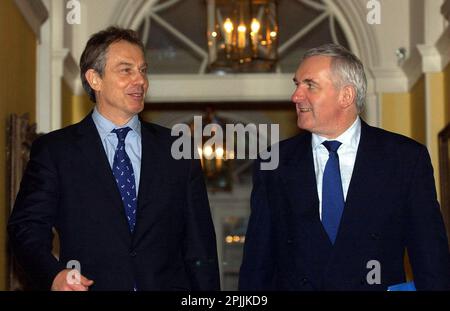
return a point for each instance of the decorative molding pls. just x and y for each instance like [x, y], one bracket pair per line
[236, 87]
[362, 38]
[20, 136]
[399, 79]
[412, 68]
[388, 80]
[436, 57]
[130, 11]
[34, 12]
[71, 75]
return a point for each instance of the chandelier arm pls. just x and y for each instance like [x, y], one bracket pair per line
[179, 35]
[163, 6]
[260, 14]
[203, 66]
[220, 22]
[292, 40]
[314, 5]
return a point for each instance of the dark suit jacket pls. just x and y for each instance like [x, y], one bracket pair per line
[68, 184]
[391, 205]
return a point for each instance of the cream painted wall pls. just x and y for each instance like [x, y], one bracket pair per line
[17, 95]
[404, 113]
[74, 107]
[421, 113]
[394, 30]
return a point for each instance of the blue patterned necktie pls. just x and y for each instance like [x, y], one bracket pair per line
[123, 172]
[332, 194]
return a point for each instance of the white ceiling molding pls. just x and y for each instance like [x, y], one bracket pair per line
[34, 12]
[412, 68]
[400, 79]
[436, 57]
[361, 36]
[388, 80]
[233, 87]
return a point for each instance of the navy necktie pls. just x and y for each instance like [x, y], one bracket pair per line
[332, 194]
[123, 172]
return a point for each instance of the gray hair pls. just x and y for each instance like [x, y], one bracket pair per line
[346, 68]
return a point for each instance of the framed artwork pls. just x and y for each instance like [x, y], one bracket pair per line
[20, 135]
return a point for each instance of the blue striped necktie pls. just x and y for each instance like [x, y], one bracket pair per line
[123, 172]
[332, 194]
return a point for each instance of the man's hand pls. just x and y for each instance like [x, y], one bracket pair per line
[70, 280]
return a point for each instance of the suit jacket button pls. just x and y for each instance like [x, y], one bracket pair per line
[305, 281]
[289, 241]
[133, 254]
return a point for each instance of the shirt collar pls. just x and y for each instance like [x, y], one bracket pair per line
[105, 126]
[350, 137]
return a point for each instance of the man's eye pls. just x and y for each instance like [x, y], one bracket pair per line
[125, 70]
[144, 70]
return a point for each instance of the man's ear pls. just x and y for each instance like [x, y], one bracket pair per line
[348, 96]
[94, 79]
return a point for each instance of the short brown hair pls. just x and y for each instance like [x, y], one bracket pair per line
[94, 54]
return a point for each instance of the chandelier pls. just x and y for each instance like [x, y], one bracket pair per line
[215, 158]
[242, 35]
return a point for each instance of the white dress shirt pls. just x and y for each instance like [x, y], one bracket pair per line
[347, 155]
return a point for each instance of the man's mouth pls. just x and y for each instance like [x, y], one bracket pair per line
[137, 95]
[303, 109]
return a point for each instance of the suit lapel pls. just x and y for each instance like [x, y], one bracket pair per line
[153, 162]
[303, 214]
[89, 142]
[301, 189]
[367, 169]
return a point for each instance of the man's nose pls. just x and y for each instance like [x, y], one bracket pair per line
[298, 94]
[140, 78]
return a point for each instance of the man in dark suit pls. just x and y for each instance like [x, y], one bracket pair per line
[347, 199]
[127, 214]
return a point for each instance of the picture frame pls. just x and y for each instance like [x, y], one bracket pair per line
[20, 136]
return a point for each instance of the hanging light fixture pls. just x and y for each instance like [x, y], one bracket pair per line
[242, 35]
[215, 158]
